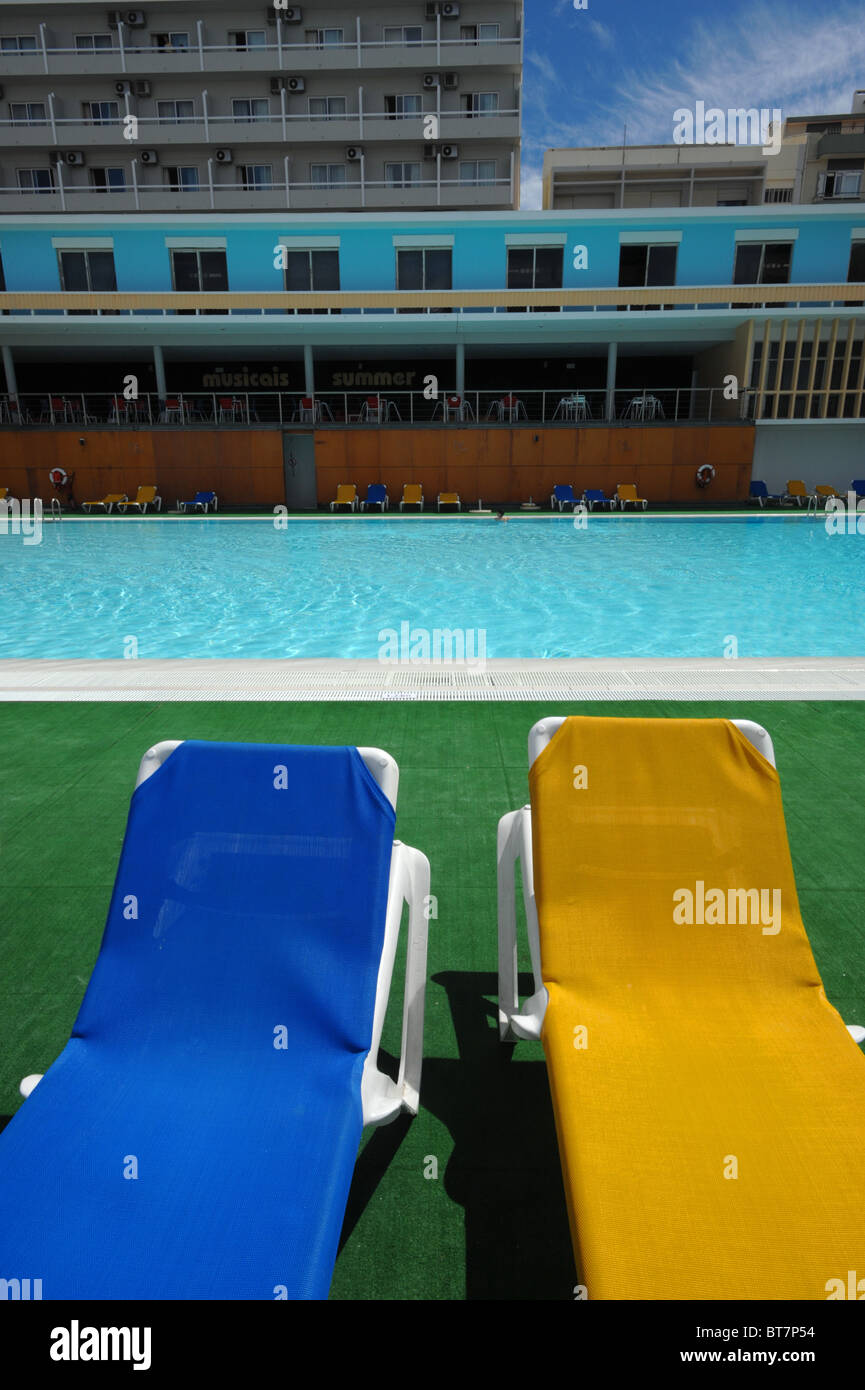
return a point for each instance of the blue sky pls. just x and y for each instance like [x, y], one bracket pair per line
[590, 72]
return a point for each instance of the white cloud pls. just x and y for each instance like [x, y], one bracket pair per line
[531, 191]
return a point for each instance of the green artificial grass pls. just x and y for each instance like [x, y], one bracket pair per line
[492, 1223]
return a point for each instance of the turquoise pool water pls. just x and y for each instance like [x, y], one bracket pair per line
[622, 587]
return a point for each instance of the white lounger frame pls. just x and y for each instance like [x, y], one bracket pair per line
[515, 843]
[382, 1098]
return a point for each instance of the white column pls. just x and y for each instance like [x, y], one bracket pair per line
[9, 369]
[612, 350]
[199, 28]
[159, 368]
[308, 370]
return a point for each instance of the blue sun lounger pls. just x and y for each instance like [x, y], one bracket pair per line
[196, 1138]
[204, 500]
[562, 496]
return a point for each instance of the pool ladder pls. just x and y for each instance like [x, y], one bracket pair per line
[56, 509]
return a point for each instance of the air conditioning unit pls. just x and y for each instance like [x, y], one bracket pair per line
[295, 84]
[449, 11]
[73, 157]
[141, 89]
[450, 151]
[136, 19]
[430, 79]
[354, 152]
[149, 157]
[430, 151]
[450, 80]
[121, 88]
[223, 156]
[289, 14]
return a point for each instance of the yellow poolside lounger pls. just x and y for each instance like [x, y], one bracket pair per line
[146, 497]
[346, 496]
[709, 1102]
[106, 503]
[796, 492]
[449, 499]
[626, 494]
[412, 496]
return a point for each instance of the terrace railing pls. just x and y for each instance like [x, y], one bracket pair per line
[376, 406]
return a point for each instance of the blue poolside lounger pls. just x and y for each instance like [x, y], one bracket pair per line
[197, 1136]
[202, 500]
[376, 496]
[563, 494]
[760, 493]
[858, 486]
[596, 497]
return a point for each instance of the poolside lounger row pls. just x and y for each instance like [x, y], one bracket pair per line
[626, 496]
[197, 1136]
[377, 496]
[796, 492]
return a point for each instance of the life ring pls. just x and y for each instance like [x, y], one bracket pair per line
[58, 477]
[705, 474]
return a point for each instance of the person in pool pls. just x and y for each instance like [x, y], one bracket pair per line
[500, 516]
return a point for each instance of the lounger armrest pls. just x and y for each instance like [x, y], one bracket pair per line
[515, 842]
[382, 1098]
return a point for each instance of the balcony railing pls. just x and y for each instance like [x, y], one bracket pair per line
[479, 301]
[281, 52]
[503, 407]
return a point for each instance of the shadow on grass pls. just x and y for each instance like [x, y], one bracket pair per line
[504, 1171]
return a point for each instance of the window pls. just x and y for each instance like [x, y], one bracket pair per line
[778, 195]
[243, 39]
[763, 263]
[641, 266]
[327, 175]
[323, 38]
[410, 104]
[404, 34]
[100, 112]
[36, 180]
[194, 272]
[27, 112]
[171, 42]
[424, 268]
[480, 103]
[182, 178]
[92, 43]
[108, 180]
[86, 272]
[327, 108]
[535, 267]
[20, 43]
[175, 112]
[856, 269]
[402, 175]
[839, 184]
[477, 171]
[251, 109]
[255, 175]
[308, 270]
[480, 33]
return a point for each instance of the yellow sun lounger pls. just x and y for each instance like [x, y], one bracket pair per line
[709, 1102]
[346, 496]
[146, 497]
[626, 494]
[796, 492]
[449, 499]
[106, 503]
[412, 496]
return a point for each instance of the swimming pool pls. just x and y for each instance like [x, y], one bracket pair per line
[635, 586]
